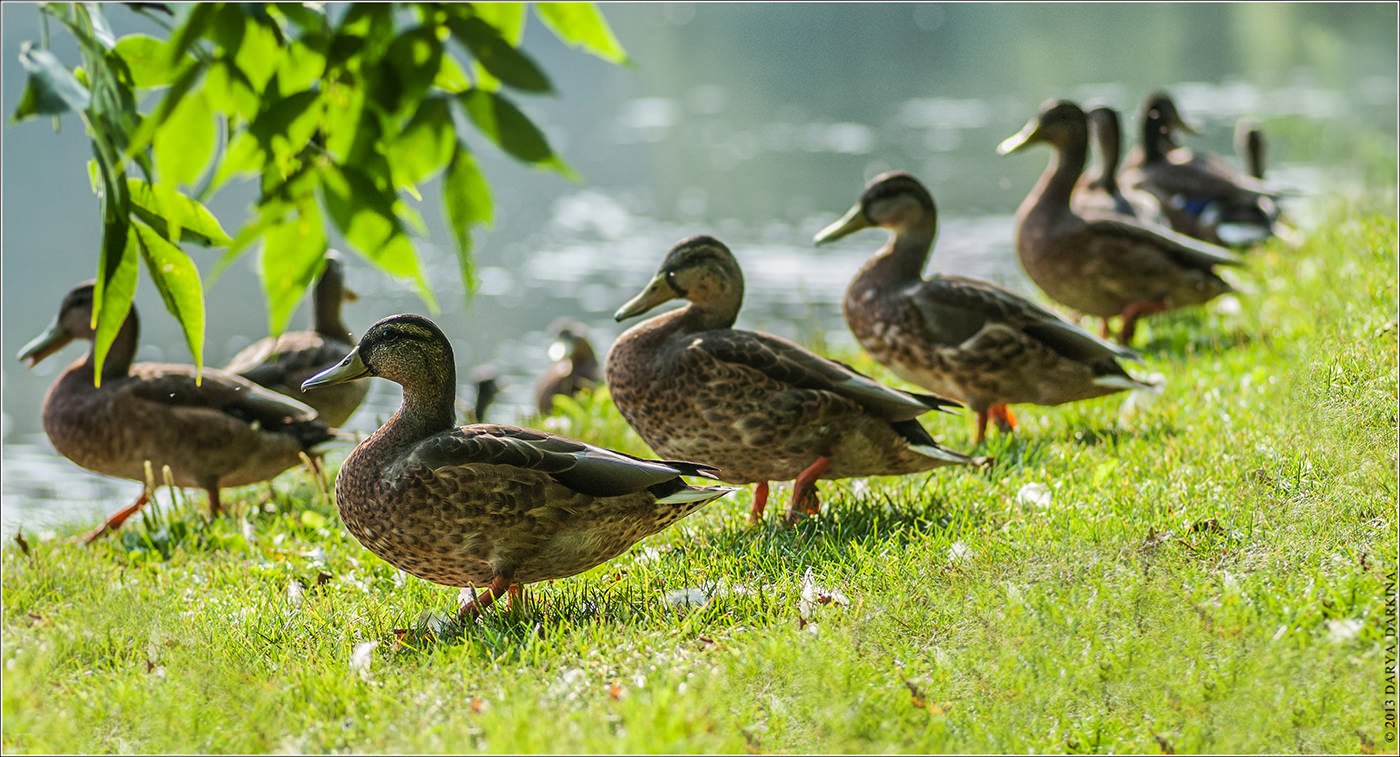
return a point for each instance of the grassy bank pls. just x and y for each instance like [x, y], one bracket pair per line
[1201, 570]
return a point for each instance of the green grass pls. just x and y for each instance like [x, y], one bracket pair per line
[1209, 573]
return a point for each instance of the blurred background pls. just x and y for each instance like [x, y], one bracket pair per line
[756, 123]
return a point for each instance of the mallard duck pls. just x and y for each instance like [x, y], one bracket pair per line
[486, 505]
[1202, 195]
[487, 382]
[1097, 191]
[1099, 265]
[1249, 145]
[574, 367]
[977, 343]
[220, 431]
[757, 407]
[282, 363]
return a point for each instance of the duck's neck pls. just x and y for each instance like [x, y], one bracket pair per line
[425, 410]
[1056, 184]
[1156, 139]
[1108, 148]
[903, 257]
[120, 355]
[326, 300]
[584, 360]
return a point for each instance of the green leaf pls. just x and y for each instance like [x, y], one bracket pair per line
[508, 18]
[184, 146]
[116, 288]
[365, 216]
[188, 33]
[50, 89]
[291, 118]
[148, 59]
[291, 257]
[425, 144]
[146, 132]
[450, 76]
[466, 200]
[344, 107]
[177, 279]
[497, 56]
[300, 67]
[230, 92]
[258, 55]
[242, 159]
[582, 25]
[415, 57]
[170, 212]
[510, 129]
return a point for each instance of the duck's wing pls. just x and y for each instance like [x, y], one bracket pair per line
[1187, 251]
[787, 363]
[175, 386]
[287, 360]
[586, 469]
[958, 308]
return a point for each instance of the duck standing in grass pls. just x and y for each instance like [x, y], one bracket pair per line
[574, 367]
[1102, 265]
[1201, 194]
[220, 431]
[980, 344]
[486, 505]
[282, 363]
[756, 407]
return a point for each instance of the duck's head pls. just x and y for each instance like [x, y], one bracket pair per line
[1159, 108]
[699, 269]
[893, 200]
[1059, 123]
[402, 348]
[570, 340]
[74, 321]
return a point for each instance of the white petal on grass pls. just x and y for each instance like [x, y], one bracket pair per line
[361, 656]
[682, 598]
[316, 556]
[1033, 496]
[1342, 630]
[813, 595]
[294, 592]
[958, 552]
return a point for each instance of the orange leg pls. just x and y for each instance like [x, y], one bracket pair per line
[515, 597]
[804, 494]
[473, 609]
[1135, 311]
[117, 519]
[1003, 417]
[760, 501]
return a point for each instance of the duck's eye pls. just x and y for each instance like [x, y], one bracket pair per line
[674, 284]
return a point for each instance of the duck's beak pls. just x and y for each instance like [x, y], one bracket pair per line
[657, 292]
[349, 369]
[52, 340]
[853, 221]
[1028, 134]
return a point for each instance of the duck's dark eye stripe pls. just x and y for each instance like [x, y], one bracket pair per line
[671, 281]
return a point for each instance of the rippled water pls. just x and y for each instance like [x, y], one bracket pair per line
[758, 125]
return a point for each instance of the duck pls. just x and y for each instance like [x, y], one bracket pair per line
[213, 428]
[574, 367]
[975, 342]
[1202, 195]
[757, 407]
[487, 383]
[1098, 191]
[1099, 265]
[283, 362]
[486, 505]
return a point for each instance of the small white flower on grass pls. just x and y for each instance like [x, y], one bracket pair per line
[958, 552]
[361, 656]
[682, 598]
[294, 592]
[400, 578]
[1033, 497]
[1342, 630]
[317, 556]
[1228, 305]
[248, 534]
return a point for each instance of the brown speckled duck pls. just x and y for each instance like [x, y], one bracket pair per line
[1202, 195]
[1097, 191]
[756, 407]
[1102, 266]
[222, 431]
[574, 367]
[977, 343]
[487, 505]
[284, 362]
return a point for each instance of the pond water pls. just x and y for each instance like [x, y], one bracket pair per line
[758, 124]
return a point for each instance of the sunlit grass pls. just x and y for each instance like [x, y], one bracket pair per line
[1208, 572]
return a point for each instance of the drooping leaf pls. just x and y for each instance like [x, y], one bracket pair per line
[450, 76]
[466, 201]
[286, 125]
[497, 56]
[230, 91]
[242, 159]
[291, 257]
[177, 279]
[185, 144]
[508, 18]
[188, 33]
[425, 144]
[148, 59]
[259, 53]
[165, 209]
[116, 288]
[299, 68]
[505, 125]
[366, 218]
[101, 31]
[582, 25]
[146, 132]
[50, 89]
[415, 57]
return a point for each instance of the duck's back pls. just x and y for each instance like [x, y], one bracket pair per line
[284, 363]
